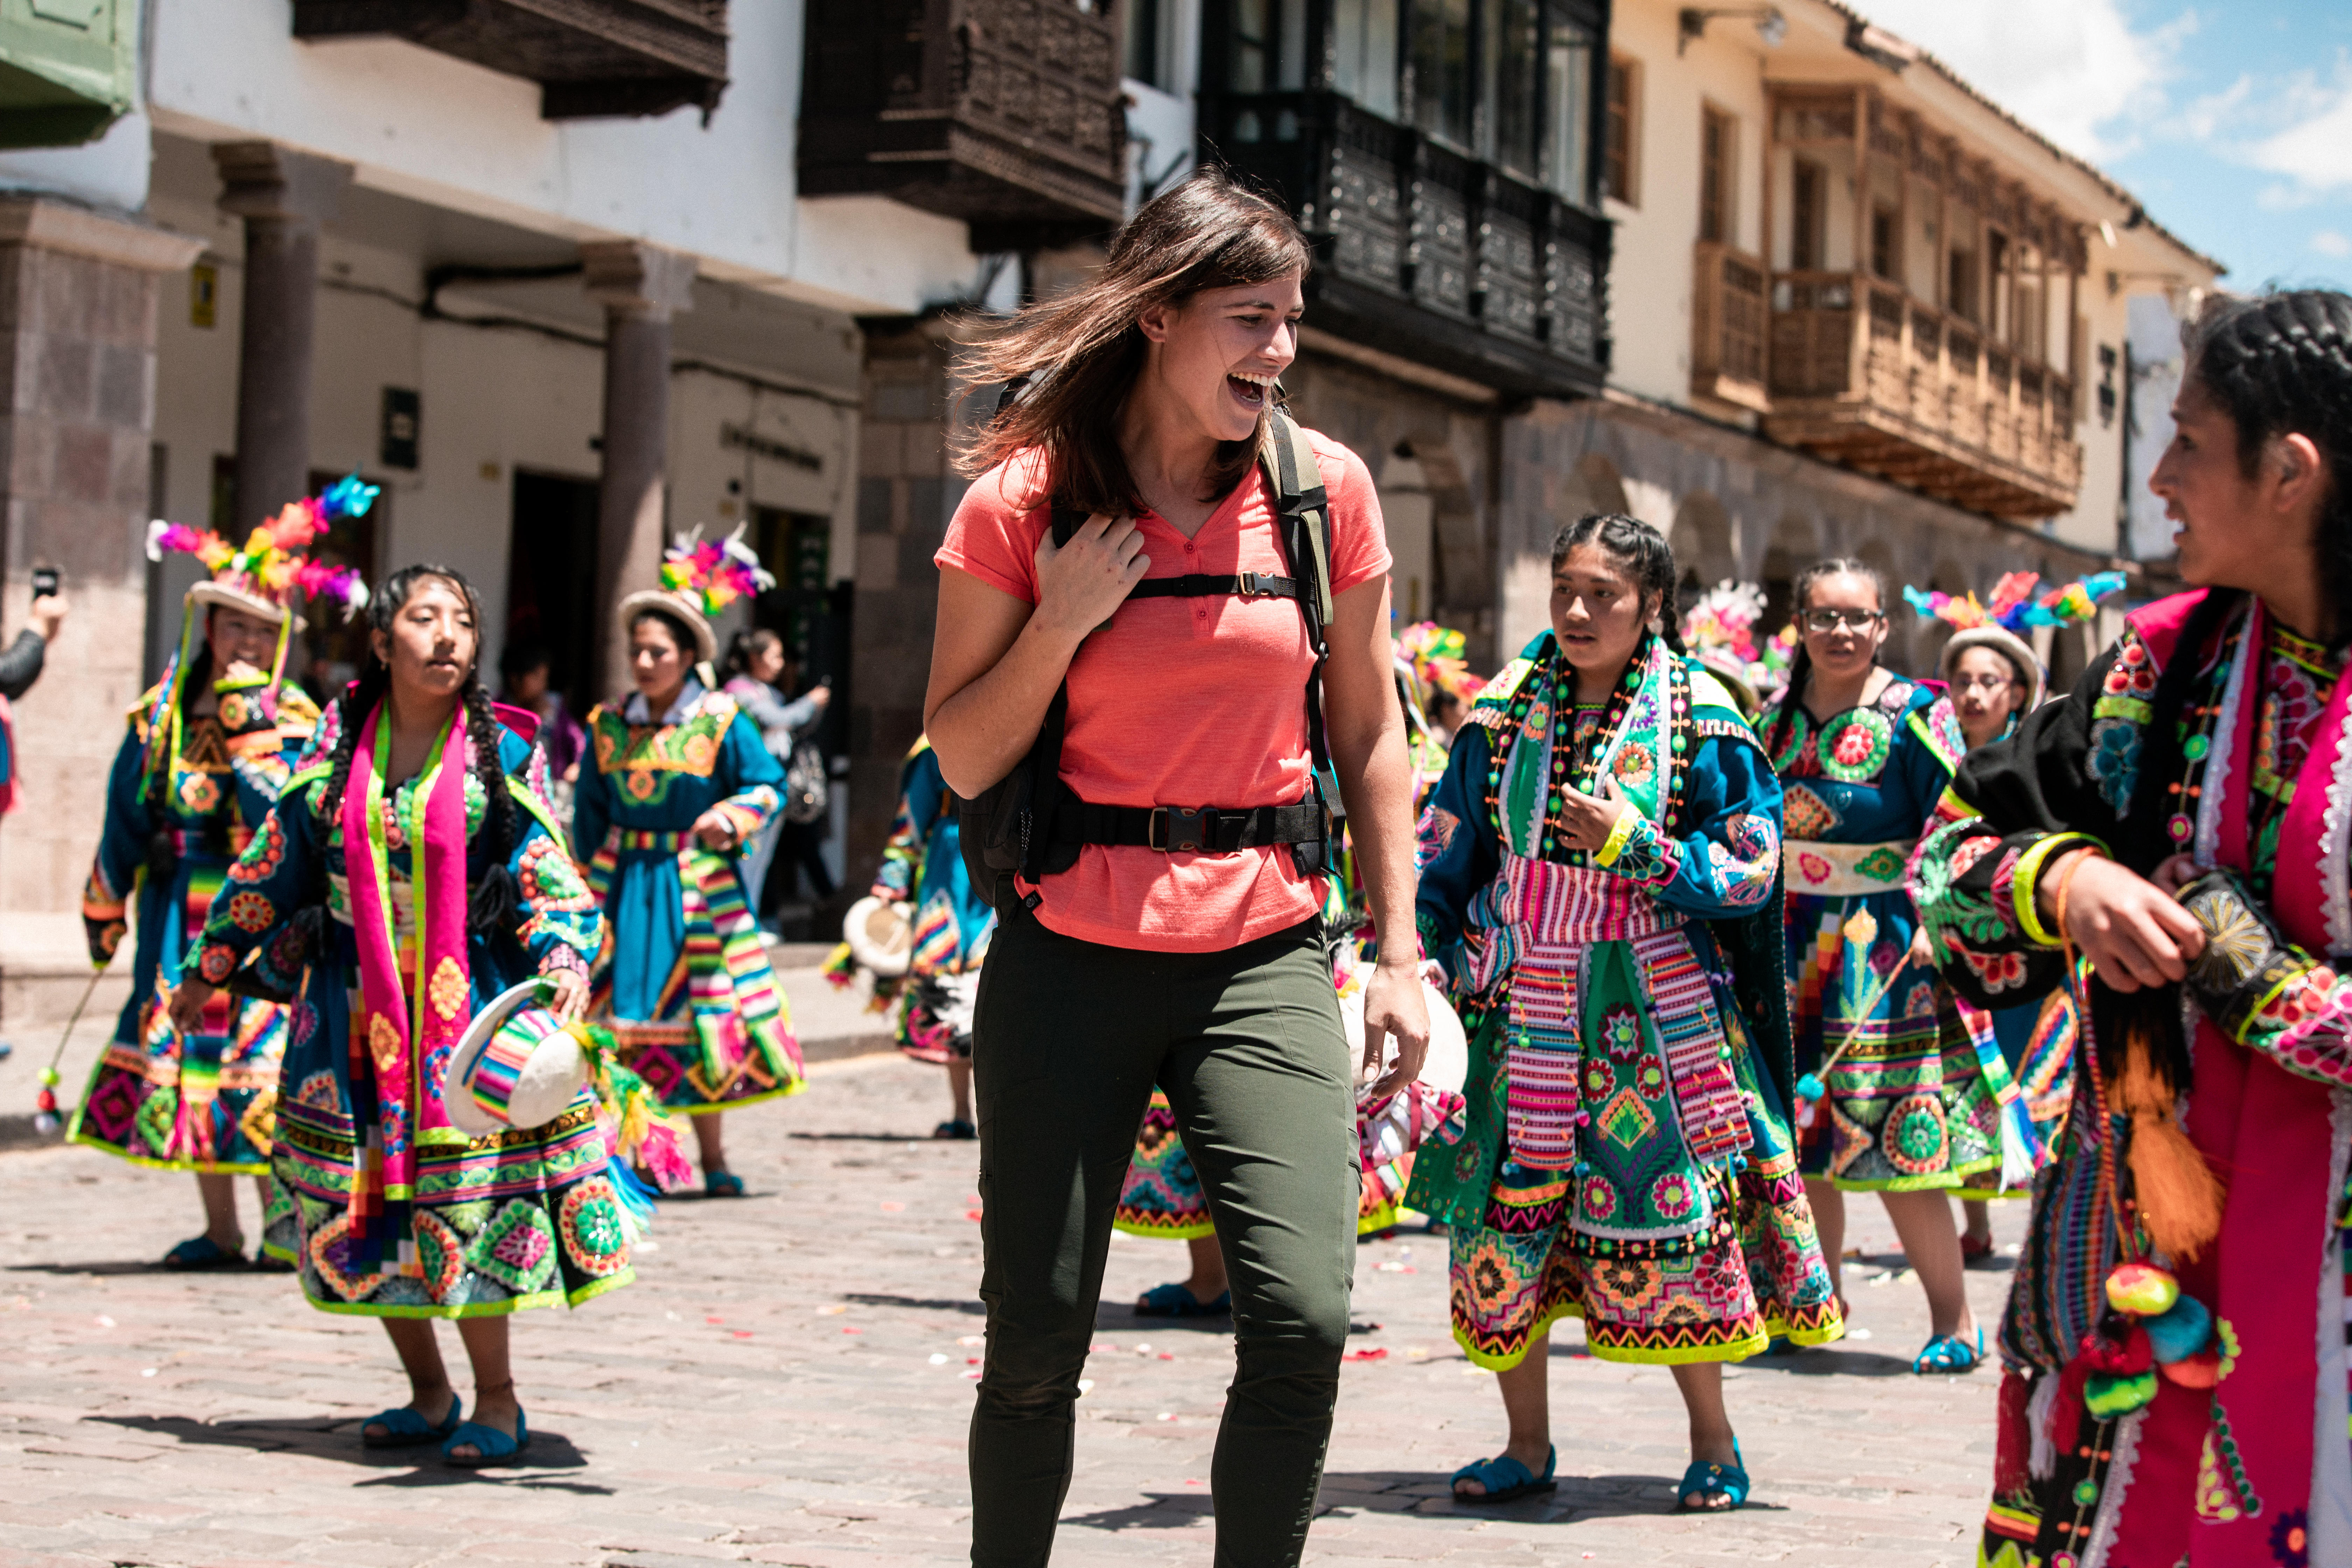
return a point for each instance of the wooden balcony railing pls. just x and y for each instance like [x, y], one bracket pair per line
[1729, 320]
[591, 57]
[1005, 114]
[1424, 251]
[1861, 373]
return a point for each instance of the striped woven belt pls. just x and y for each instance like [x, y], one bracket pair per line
[1844, 870]
[648, 840]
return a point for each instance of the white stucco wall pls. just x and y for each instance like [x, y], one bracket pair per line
[439, 129]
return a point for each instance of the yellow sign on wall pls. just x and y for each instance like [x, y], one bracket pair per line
[203, 294]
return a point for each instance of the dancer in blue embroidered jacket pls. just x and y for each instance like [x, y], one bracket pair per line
[679, 783]
[209, 748]
[1600, 874]
[391, 1210]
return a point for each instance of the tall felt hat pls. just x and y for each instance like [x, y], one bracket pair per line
[700, 578]
[515, 1067]
[880, 936]
[261, 578]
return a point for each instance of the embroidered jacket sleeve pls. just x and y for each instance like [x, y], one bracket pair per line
[263, 747]
[1458, 850]
[121, 851]
[2014, 807]
[751, 776]
[562, 923]
[918, 806]
[264, 888]
[2264, 992]
[1729, 851]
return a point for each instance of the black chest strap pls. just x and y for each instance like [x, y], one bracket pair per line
[1209, 585]
[1202, 829]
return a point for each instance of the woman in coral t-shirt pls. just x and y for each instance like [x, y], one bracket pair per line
[1199, 972]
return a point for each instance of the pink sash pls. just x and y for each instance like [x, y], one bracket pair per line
[392, 1046]
[2269, 1133]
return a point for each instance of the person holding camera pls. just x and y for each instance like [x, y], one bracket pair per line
[1136, 583]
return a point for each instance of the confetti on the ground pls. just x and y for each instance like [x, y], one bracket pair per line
[972, 1361]
[1165, 1415]
[894, 1207]
[1086, 1384]
[1416, 1352]
[969, 1376]
[708, 1319]
[1143, 1347]
[1377, 1352]
[938, 1360]
[146, 1372]
[741, 1333]
[1166, 1355]
[105, 1322]
[974, 1214]
[1191, 1480]
[969, 1340]
[853, 1330]
[830, 1311]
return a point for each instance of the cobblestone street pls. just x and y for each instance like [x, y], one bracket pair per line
[789, 1381]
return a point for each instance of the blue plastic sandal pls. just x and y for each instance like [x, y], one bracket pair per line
[1950, 1353]
[1705, 1481]
[1505, 1479]
[1175, 1299]
[490, 1446]
[722, 1184]
[405, 1428]
[203, 1252]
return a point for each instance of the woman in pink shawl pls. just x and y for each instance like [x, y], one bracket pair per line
[404, 878]
[2174, 1346]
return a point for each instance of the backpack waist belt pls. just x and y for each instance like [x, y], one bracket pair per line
[1202, 829]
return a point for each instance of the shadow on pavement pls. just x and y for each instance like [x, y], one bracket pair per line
[1832, 1361]
[103, 1270]
[1578, 1497]
[921, 1304]
[1165, 1511]
[340, 1440]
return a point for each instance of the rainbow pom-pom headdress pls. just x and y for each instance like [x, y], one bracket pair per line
[260, 576]
[2015, 606]
[714, 573]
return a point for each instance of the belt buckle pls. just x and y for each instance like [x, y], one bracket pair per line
[1180, 829]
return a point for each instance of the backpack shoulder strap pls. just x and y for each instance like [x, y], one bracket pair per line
[1288, 458]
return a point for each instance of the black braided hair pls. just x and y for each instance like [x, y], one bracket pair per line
[1639, 549]
[496, 898]
[2281, 364]
[1801, 594]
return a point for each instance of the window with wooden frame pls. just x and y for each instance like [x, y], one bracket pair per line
[1808, 201]
[1719, 175]
[1884, 248]
[1620, 168]
[1960, 285]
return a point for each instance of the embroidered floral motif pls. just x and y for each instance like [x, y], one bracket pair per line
[1807, 815]
[1671, 1196]
[1856, 750]
[448, 988]
[2114, 761]
[251, 911]
[384, 1042]
[199, 794]
[218, 962]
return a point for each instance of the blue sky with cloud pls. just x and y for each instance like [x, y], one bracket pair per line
[2229, 119]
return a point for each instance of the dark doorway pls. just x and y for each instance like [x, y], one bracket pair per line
[804, 610]
[551, 580]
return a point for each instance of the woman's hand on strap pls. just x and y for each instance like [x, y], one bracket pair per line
[188, 1003]
[717, 830]
[1081, 584]
[2133, 931]
[1396, 1007]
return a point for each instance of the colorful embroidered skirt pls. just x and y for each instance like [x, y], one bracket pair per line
[1162, 1197]
[199, 1103]
[1908, 1107]
[1756, 1274]
[719, 1033]
[935, 1017]
[500, 1224]
[2043, 1066]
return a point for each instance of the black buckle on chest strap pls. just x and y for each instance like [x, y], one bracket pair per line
[1185, 828]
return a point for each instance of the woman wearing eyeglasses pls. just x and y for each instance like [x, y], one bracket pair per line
[1863, 755]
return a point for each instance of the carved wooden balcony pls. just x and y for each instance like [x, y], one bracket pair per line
[1729, 320]
[591, 57]
[1423, 252]
[1865, 376]
[1005, 114]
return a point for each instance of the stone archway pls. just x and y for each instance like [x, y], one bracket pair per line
[1409, 516]
[1795, 544]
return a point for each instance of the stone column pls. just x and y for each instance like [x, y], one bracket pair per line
[640, 288]
[78, 296]
[283, 196]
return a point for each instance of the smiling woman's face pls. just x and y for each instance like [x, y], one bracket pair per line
[433, 641]
[1218, 353]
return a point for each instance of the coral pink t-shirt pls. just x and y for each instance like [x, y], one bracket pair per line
[1187, 702]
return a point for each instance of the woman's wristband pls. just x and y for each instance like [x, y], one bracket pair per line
[2075, 861]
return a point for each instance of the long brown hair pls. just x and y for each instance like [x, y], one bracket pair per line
[1081, 353]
